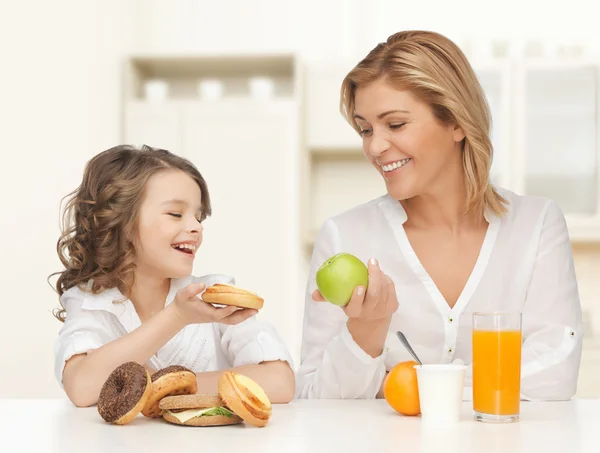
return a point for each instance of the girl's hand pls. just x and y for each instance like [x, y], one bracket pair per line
[378, 302]
[190, 309]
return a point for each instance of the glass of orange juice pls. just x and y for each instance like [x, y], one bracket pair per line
[496, 366]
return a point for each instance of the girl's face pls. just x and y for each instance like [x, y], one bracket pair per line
[170, 228]
[413, 151]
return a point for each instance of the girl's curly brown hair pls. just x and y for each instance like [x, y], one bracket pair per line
[100, 217]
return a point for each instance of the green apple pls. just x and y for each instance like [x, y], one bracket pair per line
[339, 275]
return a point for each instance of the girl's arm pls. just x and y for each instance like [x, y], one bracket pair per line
[84, 374]
[275, 377]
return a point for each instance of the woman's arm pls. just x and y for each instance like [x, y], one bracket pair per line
[552, 324]
[340, 357]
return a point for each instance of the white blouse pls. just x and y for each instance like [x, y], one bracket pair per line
[95, 320]
[525, 264]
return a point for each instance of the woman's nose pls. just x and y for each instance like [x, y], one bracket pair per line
[377, 145]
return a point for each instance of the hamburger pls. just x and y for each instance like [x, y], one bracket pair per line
[239, 399]
[197, 410]
[221, 295]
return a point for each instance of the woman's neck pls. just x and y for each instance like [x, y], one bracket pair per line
[148, 294]
[443, 206]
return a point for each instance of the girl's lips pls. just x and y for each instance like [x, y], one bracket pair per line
[185, 252]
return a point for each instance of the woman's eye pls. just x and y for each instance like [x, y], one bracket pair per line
[364, 132]
[174, 214]
[397, 125]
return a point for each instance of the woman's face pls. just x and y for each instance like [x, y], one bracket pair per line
[413, 151]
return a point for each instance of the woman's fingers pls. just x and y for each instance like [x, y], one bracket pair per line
[391, 300]
[354, 308]
[317, 296]
[376, 286]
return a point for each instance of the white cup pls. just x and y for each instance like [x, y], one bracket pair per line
[441, 391]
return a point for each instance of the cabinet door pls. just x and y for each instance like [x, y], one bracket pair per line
[326, 127]
[248, 152]
[560, 136]
[156, 125]
[494, 80]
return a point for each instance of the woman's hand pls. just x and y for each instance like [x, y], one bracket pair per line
[190, 309]
[379, 301]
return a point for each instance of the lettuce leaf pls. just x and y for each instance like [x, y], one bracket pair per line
[218, 411]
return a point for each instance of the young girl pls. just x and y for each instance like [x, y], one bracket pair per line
[132, 230]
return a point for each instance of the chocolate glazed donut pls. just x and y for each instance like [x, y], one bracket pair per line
[124, 394]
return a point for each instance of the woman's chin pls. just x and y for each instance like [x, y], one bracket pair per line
[400, 191]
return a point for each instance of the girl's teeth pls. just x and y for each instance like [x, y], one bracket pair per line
[185, 247]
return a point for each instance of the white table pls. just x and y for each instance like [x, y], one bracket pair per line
[302, 426]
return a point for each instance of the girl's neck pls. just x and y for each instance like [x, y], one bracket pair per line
[148, 294]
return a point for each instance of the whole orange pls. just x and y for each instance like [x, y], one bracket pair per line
[401, 390]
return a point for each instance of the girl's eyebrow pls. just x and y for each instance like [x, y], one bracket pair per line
[180, 202]
[176, 201]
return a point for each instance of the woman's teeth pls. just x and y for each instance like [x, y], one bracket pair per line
[394, 165]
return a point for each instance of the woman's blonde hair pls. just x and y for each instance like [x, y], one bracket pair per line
[435, 70]
[100, 218]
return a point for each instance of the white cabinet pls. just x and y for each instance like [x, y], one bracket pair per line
[156, 125]
[248, 154]
[557, 153]
[244, 138]
[326, 128]
[545, 134]
[494, 78]
[559, 136]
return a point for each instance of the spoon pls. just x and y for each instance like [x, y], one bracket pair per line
[408, 347]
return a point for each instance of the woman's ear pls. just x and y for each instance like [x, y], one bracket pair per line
[457, 133]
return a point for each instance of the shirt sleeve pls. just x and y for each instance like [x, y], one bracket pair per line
[251, 342]
[332, 364]
[552, 320]
[81, 332]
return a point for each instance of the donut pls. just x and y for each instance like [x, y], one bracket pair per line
[173, 380]
[125, 393]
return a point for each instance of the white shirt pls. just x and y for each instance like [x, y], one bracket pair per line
[525, 265]
[95, 320]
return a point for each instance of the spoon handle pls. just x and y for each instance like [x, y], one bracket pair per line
[408, 347]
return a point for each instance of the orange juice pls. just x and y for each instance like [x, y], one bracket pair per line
[496, 371]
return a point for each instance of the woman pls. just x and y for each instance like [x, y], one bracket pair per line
[442, 243]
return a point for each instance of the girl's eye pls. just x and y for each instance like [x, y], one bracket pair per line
[396, 126]
[364, 132]
[174, 214]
